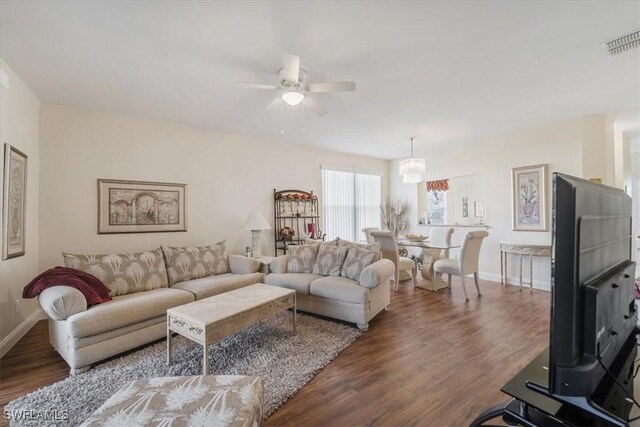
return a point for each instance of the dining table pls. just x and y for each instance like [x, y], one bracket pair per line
[426, 259]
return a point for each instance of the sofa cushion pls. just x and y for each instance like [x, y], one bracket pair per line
[356, 261]
[186, 263]
[300, 259]
[214, 285]
[329, 260]
[339, 288]
[123, 273]
[126, 310]
[299, 282]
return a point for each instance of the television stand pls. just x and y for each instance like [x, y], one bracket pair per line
[532, 404]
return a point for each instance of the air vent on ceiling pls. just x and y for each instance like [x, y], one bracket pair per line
[623, 43]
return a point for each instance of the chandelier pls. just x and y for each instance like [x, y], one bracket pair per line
[412, 170]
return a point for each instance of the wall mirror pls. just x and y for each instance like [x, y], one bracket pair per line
[453, 201]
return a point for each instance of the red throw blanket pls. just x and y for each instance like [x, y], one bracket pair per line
[91, 287]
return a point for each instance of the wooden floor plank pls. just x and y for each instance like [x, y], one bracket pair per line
[431, 359]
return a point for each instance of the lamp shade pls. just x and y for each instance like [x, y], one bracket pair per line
[256, 221]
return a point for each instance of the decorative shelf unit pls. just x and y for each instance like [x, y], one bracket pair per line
[295, 210]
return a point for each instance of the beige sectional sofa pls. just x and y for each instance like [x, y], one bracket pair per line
[352, 300]
[143, 287]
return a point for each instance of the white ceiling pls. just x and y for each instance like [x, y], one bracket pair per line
[446, 72]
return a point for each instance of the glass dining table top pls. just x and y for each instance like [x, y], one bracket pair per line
[424, 244]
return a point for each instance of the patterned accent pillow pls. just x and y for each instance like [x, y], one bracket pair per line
[321, 242]
[186, 263]
[300, 259]
[357, 259]
[329, 260]
[123, 273]
[375, 247]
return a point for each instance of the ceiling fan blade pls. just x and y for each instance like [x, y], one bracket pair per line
[277, 102]
[332, 87]
[291, 67]
[256, 85]
[313, 105]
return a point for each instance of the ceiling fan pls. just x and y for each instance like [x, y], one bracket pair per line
[295, 89]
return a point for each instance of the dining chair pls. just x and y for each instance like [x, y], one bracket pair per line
[389, 250]
[468, 261]
[440, 237]
[367, 231]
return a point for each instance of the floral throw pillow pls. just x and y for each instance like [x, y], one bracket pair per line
[187, 263]
[123, 273]
[357, 259]
[369, 246]
[300, 259]
[329, 260]
[317, 242]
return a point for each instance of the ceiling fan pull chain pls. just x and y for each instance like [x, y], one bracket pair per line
[281, 117]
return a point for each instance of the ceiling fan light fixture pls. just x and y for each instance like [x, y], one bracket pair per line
[292, 97]
[412, 170]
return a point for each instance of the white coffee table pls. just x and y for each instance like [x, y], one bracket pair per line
[214, 318]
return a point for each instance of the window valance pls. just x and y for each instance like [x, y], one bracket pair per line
[439, 185]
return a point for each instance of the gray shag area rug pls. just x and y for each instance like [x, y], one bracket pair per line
[269, 350]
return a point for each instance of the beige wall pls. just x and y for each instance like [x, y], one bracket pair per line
[19, 112]
[560, 145]
[228, 176]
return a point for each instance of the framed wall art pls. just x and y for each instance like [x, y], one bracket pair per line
[478, 209]
[141, 207]
[14, 202]
[529, 198]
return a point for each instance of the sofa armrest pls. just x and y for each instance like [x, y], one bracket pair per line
[376, 273]
[243, 265]
[278, 264]
[62, 302]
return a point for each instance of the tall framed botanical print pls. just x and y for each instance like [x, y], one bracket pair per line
[529, 198]
[14, 202]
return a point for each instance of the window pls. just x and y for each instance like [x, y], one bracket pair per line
[436, 207]
[351, 202]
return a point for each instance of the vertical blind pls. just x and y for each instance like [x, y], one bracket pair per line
[351, 202]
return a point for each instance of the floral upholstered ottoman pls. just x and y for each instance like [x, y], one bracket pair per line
[223, 400]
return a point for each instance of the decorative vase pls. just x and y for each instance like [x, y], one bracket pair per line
[528, 209]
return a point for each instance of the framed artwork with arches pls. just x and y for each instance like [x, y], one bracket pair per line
[141, 207]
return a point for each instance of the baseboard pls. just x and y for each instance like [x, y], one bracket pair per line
[515, 281]
[14, 336]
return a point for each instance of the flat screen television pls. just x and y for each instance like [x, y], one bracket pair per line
[592, 303]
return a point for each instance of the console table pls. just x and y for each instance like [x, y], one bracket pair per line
[520, 249]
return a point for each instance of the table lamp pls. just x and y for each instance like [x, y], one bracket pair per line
[256, 223]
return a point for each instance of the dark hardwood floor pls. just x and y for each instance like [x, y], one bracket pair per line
[432, 359]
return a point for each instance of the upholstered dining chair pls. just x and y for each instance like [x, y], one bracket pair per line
[468, 261]
[389, 250]
[367, 231]
[440, 237]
